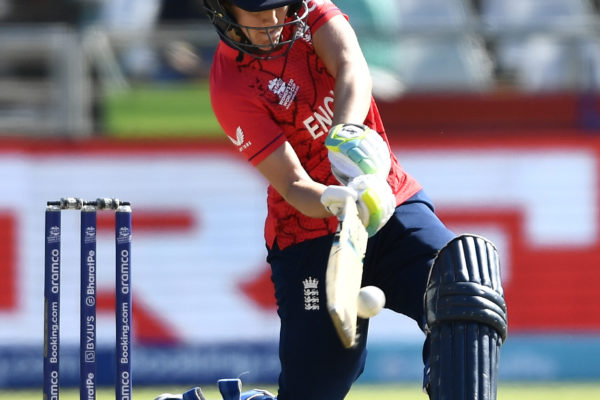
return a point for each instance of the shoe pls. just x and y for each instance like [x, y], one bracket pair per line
[231, 389]
[192, 394]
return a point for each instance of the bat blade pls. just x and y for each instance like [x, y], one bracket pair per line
[344, 273]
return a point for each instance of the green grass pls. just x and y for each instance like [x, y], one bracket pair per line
[507, 391]
[160, 110]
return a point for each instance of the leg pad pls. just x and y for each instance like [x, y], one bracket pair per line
[466, 320]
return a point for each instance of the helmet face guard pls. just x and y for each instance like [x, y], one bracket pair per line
[234, 34]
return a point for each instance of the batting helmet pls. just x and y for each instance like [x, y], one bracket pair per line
[232, 33]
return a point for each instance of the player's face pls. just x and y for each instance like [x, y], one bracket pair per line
[261, 20]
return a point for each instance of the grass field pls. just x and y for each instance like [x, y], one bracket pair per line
[507, 391]
[167, 110]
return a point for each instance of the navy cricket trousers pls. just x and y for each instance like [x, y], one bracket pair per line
[314, 363]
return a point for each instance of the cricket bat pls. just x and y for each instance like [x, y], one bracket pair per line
[344, 273]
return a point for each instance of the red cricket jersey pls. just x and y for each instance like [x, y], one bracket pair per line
[260, 104]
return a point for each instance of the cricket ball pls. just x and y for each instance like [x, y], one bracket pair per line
[370, 301]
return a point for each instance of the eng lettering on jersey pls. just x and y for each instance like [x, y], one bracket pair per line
[319, 123]
[239, 139]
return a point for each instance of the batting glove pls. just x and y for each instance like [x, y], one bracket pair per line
[355, 150]
[334, 197]
[374, 199]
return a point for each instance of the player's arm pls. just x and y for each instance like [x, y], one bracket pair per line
[363, 164]
[285, 173]
[337, 46]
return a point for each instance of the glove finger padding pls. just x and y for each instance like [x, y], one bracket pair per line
[356, 150]
[376, 201]
[334, 197]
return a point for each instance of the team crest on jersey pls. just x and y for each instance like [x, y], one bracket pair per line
[311, 294]
[286, 92]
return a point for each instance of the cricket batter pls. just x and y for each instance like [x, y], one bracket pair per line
[292, 91]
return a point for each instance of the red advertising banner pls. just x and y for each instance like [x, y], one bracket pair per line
[552, 283]
[536, 197]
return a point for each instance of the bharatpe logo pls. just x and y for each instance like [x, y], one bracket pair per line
[286, 92]
[311, 294]
[54, 235]
[90, 235]
[124, 235]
